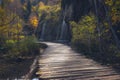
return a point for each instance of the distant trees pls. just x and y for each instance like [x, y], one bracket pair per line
[48, 17]
[26, 9]
[13, 43]
[10, 22]
[84, 33]
[104, 40]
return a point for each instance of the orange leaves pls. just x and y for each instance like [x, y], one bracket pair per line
[34, 21]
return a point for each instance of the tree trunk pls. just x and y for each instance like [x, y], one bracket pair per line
[107, 9]
[98, 23]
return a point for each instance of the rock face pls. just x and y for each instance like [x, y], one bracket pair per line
[74, 10]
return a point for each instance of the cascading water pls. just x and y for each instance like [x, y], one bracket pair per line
[64, 31]
[43, 32]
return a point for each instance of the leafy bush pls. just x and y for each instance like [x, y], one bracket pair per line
[28, 46]
[84, 34]
[13, 54]
[85, 39]
[24, 48]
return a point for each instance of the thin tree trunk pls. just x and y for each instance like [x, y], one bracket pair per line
[98, 29]
[89, 43]
[111, 28]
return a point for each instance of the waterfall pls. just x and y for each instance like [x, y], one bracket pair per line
[64, 31]
[43, 32]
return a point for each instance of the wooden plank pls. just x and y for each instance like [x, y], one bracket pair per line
[60, 62]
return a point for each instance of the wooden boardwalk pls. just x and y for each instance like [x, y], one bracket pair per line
[60, 62]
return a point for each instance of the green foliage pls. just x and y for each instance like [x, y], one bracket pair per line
[114, 10]
[49, 15]
[10, 25]
[28, 46]
[13, 54]
[24, 48]
[84, 32]
[13, 43]
[48, 11]
[85, 39]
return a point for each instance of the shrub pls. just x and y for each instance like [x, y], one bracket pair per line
[13, 54]
[28, 46]
[24, 48]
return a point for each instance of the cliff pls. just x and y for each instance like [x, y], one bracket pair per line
[75, 9]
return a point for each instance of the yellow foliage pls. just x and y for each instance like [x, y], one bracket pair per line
[47, 9]
[115, 13]
[114, 10]
[41, 4]
[109, 2]
[34, 21]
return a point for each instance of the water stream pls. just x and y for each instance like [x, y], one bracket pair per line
[43, 32]
[64, 31]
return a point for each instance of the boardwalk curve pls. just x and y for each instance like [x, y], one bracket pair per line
[60, 62]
